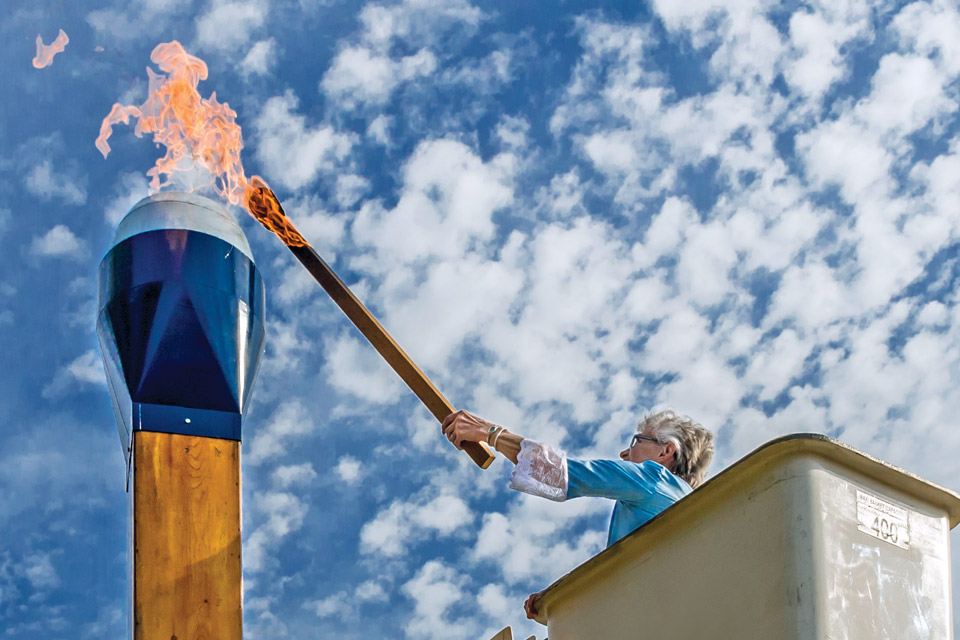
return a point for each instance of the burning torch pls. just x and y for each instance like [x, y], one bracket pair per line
[265, 207]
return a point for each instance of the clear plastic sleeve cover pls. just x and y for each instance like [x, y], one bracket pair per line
[541, 471]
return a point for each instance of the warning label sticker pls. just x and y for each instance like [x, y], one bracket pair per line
[882, 520]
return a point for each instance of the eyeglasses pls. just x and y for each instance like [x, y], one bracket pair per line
[637, 437]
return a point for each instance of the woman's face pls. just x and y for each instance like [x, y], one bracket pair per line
[646, 447]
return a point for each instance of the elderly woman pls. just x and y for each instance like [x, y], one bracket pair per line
[665, 460]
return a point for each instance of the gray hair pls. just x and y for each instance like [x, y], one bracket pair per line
[694, 443]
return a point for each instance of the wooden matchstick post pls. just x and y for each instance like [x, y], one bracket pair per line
[187, 578]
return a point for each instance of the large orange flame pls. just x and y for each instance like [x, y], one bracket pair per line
[195, 131]
[46, 52]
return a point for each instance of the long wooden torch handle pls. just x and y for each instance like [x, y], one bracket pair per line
[374, 332]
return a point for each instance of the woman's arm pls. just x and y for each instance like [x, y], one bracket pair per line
[540, 469]
[615, 479]
[463, 426]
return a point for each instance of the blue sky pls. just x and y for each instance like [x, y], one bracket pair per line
[567, 214]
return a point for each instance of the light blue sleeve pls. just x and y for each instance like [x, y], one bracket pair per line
[629, 482]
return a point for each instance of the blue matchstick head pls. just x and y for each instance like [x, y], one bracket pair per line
[181, 319]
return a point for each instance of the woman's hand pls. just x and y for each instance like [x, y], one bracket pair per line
[528, 605]
[463, 426]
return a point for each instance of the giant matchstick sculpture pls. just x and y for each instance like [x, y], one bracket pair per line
[181, 328]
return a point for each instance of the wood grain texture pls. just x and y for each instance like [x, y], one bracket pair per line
[186, 537]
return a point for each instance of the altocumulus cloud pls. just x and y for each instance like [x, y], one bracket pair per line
[567, 218]
[59, 241]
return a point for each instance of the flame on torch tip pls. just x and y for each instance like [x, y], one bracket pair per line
[45, 52]
[265, 207]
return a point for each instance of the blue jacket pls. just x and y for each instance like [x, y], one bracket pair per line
[642, 490]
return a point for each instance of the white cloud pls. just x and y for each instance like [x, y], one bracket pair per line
[111, 620]
[281, 514]
[565, 194]
[350, 188]
[705, 262]
[368, 70]
[283, 353]
[403, 523]
[379, 129]
[294, 475]
[163, 6]
[611, 152]
[447, 203]
[907, 92]
[694, 15]
[354, 367]
[349, 469]
[932, 29]
[292, 150]
[296, 284]
[359, 75]
[260, 59]
[59, 241]
[533, 541]
[665, 233]
[412, 19]
[483, 76]
[819, 64]
[324, 230]
[344, 606]
[39, 571]
[568, 326]
[470, 293]
[48, 184]
[435, 589]
[750, 51]
[818, 36]
[228, 24]
[135, 19]
[772, 239]
[370, 591]
[291, 419]
[513, 132]
[934, 314]
[113, 23]
[776, 363]
[337, 604]
[811, 296]
[841, 152]
[87, 369]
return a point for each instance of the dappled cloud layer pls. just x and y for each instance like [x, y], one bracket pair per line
[745, 211]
